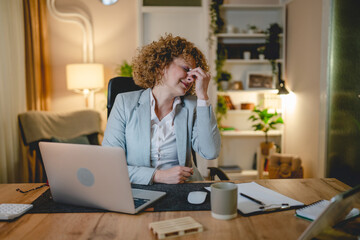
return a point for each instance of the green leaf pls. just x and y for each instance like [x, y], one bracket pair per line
[279, 120]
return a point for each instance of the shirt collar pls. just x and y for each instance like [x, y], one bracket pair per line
[177, 101]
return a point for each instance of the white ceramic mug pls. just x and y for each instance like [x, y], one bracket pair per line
[224, 200]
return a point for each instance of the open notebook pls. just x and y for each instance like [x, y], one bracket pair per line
[313, 211]
[270, 200]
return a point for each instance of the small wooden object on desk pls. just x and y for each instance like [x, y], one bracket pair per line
[175, 227]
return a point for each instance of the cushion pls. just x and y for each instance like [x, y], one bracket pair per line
[78, 140]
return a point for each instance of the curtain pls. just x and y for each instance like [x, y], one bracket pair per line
[37, 73]
[343, 149]
[37, 56]
[12, 89]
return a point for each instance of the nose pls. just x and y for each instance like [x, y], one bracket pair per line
[190, 77]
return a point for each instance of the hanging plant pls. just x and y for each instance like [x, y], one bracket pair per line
[216, 22]
[216, 26]
[221, 55]
[221, 110]
[272, 45]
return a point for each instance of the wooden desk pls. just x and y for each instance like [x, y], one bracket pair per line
[279, 225]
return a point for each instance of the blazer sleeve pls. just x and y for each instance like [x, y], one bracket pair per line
[115, 136]
[205, 134]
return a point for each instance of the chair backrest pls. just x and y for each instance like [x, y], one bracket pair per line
[119, 85]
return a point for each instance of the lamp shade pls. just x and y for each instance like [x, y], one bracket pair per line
[84, 76]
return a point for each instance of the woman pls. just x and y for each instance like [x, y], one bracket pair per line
[158, 126]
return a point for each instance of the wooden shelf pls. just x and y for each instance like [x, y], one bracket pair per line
[167, 9]
[250, 133]
[253, 6]
[275, 91]
[251, 61]
[241, 35]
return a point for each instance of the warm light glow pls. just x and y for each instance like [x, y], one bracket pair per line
[85, 76]
[289, 102]
[108, 2]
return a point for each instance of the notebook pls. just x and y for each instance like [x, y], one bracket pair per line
[313, 211]
[261, 199]
[93, 176]
[334, 212]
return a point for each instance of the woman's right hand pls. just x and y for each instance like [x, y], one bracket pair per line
[174, 175]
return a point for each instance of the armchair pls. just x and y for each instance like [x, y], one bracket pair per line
[74, 127]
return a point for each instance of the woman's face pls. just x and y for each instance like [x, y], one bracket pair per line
[176, 79]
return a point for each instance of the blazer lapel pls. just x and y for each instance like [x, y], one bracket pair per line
[143, 116]
[181, 130]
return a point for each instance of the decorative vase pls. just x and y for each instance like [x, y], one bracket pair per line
[261, 56]
[265, 147]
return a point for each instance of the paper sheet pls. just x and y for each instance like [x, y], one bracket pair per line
[263, 194]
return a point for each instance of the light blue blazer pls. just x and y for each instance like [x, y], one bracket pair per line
[129, 127]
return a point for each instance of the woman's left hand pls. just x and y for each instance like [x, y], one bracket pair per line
[202, 80]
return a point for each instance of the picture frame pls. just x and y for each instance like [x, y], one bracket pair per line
[260, 80]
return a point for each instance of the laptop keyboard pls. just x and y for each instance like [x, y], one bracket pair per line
[140, 201]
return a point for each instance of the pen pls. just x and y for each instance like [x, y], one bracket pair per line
[252, 199]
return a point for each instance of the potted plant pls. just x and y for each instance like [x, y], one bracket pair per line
[252, 29]
[261, 51]
[224, 79]
[124, 70]
[264, 122]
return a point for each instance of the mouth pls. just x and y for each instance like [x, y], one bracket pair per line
[186, 85]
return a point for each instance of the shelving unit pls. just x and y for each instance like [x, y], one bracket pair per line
[239, 147]
[190, 22]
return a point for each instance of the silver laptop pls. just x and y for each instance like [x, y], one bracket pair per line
[339, 207]
[93, 176]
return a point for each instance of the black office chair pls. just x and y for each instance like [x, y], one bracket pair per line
[126, 84]
[119, 85]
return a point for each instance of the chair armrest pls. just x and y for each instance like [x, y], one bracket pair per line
[214, 171]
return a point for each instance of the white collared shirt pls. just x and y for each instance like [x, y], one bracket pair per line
[163, 149]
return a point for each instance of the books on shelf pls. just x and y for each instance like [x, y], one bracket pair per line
[228, 102]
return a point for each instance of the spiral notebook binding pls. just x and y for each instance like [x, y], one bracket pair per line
[312, 204]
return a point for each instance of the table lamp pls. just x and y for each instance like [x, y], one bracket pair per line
[85, 78]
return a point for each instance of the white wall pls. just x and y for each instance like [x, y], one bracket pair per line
[115, 36]
[303, 74]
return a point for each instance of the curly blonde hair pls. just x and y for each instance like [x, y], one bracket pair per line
[152, 59]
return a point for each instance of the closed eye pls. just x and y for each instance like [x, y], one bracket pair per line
[186, 69]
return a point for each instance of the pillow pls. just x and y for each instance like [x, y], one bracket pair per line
[77, 140]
